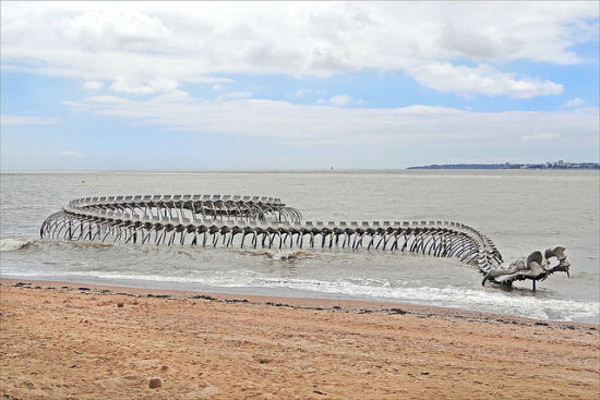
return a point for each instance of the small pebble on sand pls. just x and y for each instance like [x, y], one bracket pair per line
[154, 383]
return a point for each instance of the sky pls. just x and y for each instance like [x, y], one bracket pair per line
[165, 85]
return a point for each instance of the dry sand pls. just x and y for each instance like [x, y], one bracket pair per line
[93, 343]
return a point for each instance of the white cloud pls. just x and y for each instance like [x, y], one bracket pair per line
[326, 124]
[576, 102]
[134, 86]
[27, 120]
[163, 45]
[70, 154]
[341, 100]
[540, 136]
[217, 86]
[235, 95]
[303, 92]
[483, 79]
[93, 85]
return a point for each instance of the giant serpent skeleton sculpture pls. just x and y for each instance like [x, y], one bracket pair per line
[224, 220]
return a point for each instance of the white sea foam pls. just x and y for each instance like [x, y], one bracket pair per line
[490, 300]
[13, 244]
[453, 297]
[279, 254]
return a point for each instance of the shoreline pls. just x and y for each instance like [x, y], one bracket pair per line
[65, 340]
[319, 304]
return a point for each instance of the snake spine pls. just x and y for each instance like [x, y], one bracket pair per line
[266, 222]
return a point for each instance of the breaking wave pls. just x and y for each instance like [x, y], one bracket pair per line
[13, 244]
[376, 289]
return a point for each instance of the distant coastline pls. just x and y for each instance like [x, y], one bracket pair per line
[548, 165]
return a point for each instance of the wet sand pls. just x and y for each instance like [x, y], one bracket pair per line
[75, 341]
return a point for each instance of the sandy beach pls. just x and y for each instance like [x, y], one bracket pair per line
[71, 341]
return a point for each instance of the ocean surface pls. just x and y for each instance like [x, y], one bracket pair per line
[521, 211]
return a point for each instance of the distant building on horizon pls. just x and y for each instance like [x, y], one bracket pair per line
[560, 164]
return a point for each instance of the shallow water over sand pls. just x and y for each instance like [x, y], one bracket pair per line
[521, 211]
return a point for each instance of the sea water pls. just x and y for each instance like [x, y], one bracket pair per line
[520, 210]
